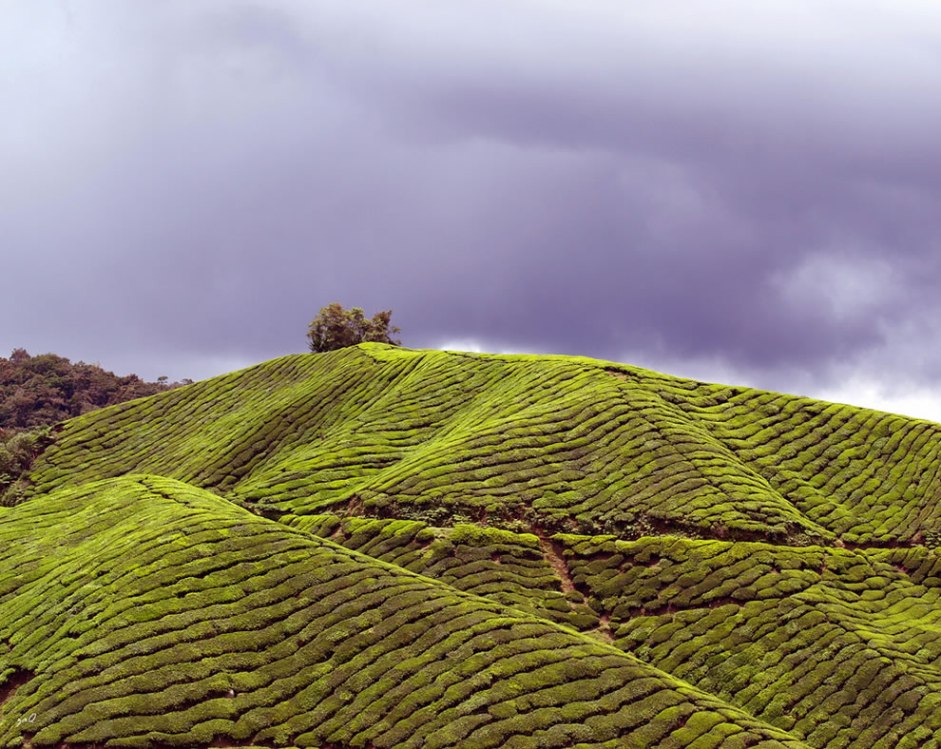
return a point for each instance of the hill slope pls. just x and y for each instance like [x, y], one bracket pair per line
[379, 547]
[569, 443]
[37, 392]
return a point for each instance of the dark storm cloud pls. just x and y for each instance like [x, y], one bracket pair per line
[186, 184]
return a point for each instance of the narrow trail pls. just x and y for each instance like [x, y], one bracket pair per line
[554, 555]
[604, 628]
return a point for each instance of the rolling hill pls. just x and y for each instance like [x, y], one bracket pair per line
[382, 547]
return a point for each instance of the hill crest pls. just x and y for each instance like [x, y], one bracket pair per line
[385, 548]
[567, 443]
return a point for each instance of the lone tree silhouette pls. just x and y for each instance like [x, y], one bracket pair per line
[336, 327]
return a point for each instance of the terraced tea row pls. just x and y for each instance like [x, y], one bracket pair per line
[563, 443]
[869, 476]
[838, 647]
[474, 551]
[509, 568]
[147, 613]
[795, 636]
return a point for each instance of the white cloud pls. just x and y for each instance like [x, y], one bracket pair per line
[466, 344]
[844, 286]
[865, 391]
[919, 402]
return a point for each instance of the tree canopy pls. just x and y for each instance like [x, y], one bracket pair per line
[42, 390]
[36, 392]
[336, 327]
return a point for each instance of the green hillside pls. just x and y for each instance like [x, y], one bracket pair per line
[379, 547]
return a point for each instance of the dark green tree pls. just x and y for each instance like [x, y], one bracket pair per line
[44, 389]
[336, 327]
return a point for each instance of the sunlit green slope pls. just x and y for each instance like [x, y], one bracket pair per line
[379, 547]
[569, 444]
[147, 612]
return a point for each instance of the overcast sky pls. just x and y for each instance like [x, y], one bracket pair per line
[736, 191]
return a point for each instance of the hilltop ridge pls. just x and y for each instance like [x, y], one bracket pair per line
[384, 547]
[567, 442]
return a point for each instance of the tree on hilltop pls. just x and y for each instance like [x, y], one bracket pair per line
[336, 327]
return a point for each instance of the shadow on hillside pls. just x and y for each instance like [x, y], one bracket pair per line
[20, 677]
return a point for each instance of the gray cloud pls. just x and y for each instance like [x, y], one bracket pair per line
[186, 184]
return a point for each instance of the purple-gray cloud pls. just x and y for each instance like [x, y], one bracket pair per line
[753, 185]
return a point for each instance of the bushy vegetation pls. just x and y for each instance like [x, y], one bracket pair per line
[335, 328]
[18, 450]
[182, 620]
[37, 392]
[42, 390]
[567, 444]
[380, 547]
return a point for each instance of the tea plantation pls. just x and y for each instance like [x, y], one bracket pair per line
[379, 547]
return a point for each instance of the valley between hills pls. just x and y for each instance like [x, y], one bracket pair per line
[382, 548]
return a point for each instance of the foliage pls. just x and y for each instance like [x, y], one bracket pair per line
[45, 389]
[140, 608]
[453, 550]
[18, 450]
[554, 441]
[336, 328]
[37, 392]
